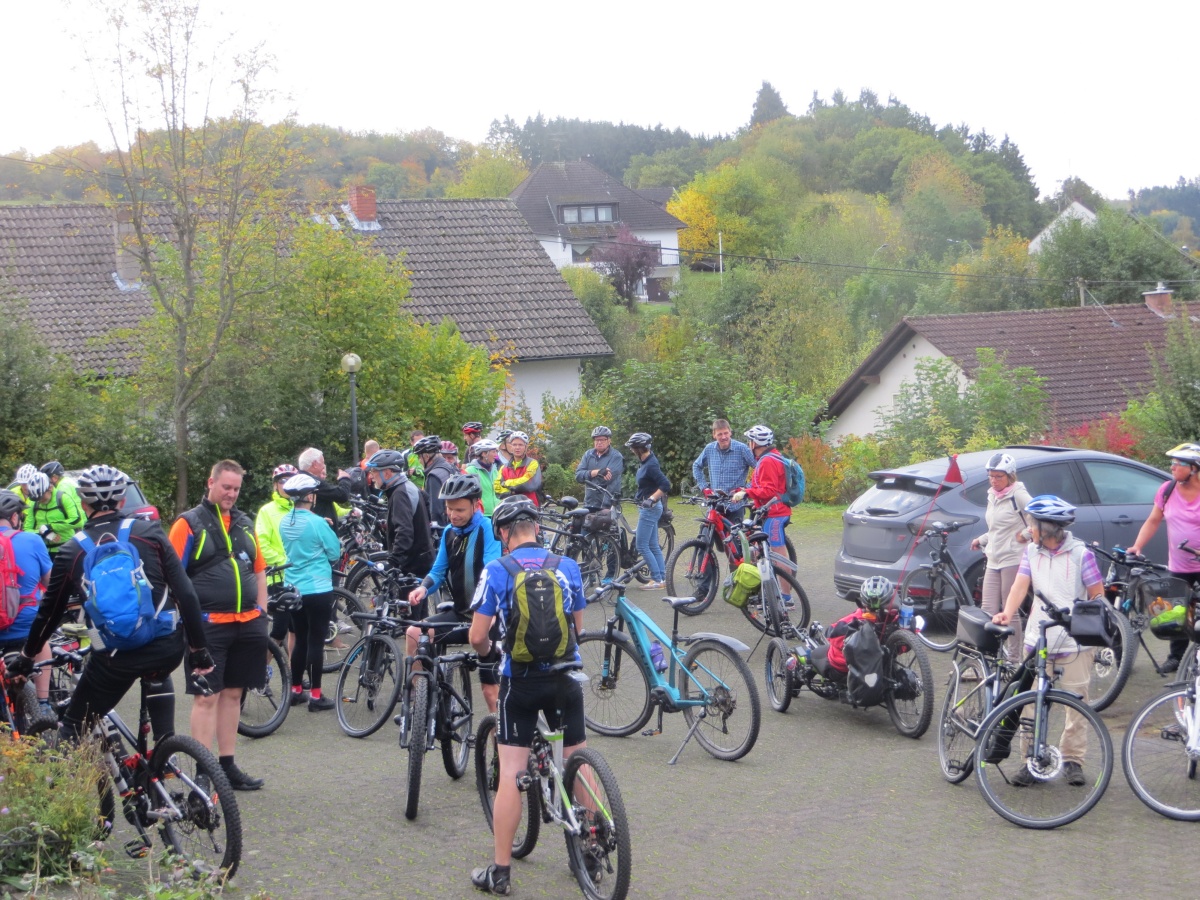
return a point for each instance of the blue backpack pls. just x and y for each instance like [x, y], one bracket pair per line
[118, 598]
[794, 494]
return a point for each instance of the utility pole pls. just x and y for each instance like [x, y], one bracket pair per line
[1082, 285]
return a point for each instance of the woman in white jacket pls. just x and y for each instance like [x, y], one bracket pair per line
[1003, 544]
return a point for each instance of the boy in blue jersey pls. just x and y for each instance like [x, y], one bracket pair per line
[33, 559]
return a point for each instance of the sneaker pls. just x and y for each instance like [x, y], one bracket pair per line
[654, 586]
[299, 697]
[240, 781]
[1073, 772]
[320, 704]
[789, 604]
[1169, 665]
[491, 880]
[1024, 778]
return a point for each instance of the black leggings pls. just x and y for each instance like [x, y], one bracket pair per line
[311, 624]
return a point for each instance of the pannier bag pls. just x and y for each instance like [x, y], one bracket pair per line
[746, 580]
[866, 681]
[598, 521]
[1091, 623]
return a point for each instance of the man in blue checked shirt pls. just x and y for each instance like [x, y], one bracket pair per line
[729, 464]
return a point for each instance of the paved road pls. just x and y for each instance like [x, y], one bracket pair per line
[832, 801]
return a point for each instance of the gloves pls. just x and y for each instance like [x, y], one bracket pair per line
[200, 659]
[708, 492]
[20, 667]
[648, 504]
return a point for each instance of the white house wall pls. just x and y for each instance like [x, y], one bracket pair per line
[862, 415]
[559, 253]
[668, 240]
[533, 378]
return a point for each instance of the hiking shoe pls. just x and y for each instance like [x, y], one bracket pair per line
[1168, 665]
[320, 704]
[1024, 778]
[491, 880]
[299, 697]
[240, 781]
[1073, 772]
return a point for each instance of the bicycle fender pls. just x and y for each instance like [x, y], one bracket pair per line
[732, 643]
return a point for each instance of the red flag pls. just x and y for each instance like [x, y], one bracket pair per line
[954, 473]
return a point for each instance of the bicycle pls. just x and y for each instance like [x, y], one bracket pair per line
[938, 588]
[709, 682]
[616, 538]
[1035, 718]
[264, 709]
[693, 570]
[582, 797]
[369, 683]
[177, 786]
[576, 537]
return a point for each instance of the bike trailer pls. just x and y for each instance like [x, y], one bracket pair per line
[746, 580]
[972, 622]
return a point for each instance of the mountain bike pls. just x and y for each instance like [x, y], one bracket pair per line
[570, 531]
[581, 796]
[937, 589]
[693, 571]
[1025, 734]
[177, 788]
[702, 676]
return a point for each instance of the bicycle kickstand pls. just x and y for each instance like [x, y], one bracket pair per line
[687, 737]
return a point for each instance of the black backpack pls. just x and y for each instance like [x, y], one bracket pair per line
[866, 682]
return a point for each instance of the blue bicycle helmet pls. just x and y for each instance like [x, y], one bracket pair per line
[1049, 508]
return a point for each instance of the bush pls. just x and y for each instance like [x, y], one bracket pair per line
[557, 481]
[818, 459]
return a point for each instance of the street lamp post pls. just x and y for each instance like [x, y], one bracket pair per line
[351, 363]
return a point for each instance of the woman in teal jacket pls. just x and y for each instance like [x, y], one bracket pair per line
[312, 548]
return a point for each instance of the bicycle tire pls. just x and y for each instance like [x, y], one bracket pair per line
[176, 761]
[666, 538]
[909, 663]
[455, 727]
[963, 710]
[418, 734]
[772, 625]
[1112, 666]
[779, 677]
[343, 632]
[940, 598]
[368, 685]
[1155, 759]
[264, 709]
[615, 704]
[598, 560]
[714, 670]
[692, 571]
[487, 779]
[1051, 802]
[1188, 669]
[366, 581]
[600, 855]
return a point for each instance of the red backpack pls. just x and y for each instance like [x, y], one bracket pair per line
[10, 581]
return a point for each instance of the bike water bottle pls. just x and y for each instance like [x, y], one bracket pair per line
[906, 615]
[658, 657]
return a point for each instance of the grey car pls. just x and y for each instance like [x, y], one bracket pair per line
[1114, 496]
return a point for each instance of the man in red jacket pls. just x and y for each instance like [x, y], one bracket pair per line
[769, 482]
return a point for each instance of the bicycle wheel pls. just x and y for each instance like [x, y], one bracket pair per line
[600, 855]
[910, 699]
[1049, 801]
[779, 676]
[758, 613]
[207, 831]
[666, 538]
[418, 734]
[487, 780]
[732, 714]
[963, 711]
[937, 598]
[598, 560]
[1112, 666]
[455, 727]
[366, 581]
[791, 549]
[1188, 669]
[265, 708]
[369, 684]
[344, 632]
[1155, 756]
[616, 699]
[692, 571]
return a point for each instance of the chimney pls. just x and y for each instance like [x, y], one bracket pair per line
[362, 202]
[1159, 301]
[129, 269]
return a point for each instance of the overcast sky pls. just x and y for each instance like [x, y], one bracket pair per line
[1104, 92]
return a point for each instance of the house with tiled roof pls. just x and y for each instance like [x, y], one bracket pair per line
[1095, 359]
[573, 207]
[1075, 212]
[473, 261]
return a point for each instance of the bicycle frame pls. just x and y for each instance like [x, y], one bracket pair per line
[943, 563]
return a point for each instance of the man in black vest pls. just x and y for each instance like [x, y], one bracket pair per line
[409, 540]
[216, 543]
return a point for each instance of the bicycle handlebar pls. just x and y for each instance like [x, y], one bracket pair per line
[619, 582]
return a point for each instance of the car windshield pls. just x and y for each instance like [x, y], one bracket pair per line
[892, 497]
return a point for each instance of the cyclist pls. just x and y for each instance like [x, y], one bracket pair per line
[521, 474]
[266, 530]
[359, 485]
[525, 689]
[652, 489]
[437, 470]
[1178, 504]
[58, 515]
[728, 463]
[24, 473]
[467, 545]
[32, 559]
[769, 480]
[472, 432]
[1004, 542]
[503, 456]
[312, 461]
[415, 471]
[450, 455]
[603, 464]
[1063, 569]
[312, 549]
[409, 540]
[39, 497]
[215, 540]
[483, 466]
[108, 675]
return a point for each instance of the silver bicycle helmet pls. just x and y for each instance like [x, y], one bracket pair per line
[484, 446]
[461, 487]
[1002, 462]
[876, 592]
[1186, 453]
[37, 485]
[300, 485]
[601, 431]
[25, 473]
[102, 487]
[640, 440]
[510, 510]
[761, 436]
[10, 504]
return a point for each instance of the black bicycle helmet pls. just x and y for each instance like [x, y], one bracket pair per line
[640, 440]
[461, 487]
[388, 459]
[10, 503]
[431, 443]
[510, 510]
[102, 487]
[53, 468]
[601, 431]
[503, 436]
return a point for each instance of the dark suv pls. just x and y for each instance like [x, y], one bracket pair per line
[1114, 496]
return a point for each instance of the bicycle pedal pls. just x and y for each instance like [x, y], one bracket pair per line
[652, 732]
[137, 848]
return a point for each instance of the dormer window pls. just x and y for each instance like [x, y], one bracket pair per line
[587, 215]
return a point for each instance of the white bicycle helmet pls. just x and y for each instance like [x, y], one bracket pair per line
[1002, 462]
[1186, 453]
[102, 487]
[25, 473]
[484, 446]
[1049, 508]
[761, 436]
[37, 485]
[300, 485]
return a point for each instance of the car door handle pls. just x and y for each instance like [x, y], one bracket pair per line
[1122, 520]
